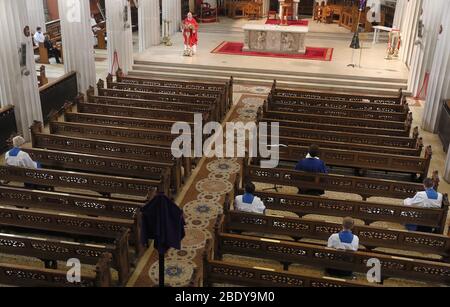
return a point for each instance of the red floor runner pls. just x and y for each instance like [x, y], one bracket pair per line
[312, 53]
[290, 22]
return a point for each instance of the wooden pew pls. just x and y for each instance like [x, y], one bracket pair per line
[192, 97]
[399, 99]
[296, 141]
[140, 113]
[365, 187]
[332, 123]
[175, 109]
[108, 149]
[222, 103]
[388, 127]
[119, 134]
[25, 276]
[51, 249]
[279, 97]
[351, 138]
[69, 203]
[195, 85]
[63, 160]
[220, 272]
[289, 252]
[42, 76]
[369, 212]
[370, 237]
[83, 181]
[363, 162]
[73, 224]
[271, 106]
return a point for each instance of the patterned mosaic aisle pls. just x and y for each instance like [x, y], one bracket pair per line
[202, 203]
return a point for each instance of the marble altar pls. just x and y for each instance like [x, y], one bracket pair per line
[274, 38]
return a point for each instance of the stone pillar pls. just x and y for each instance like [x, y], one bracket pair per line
[78, 41]
[409, 30]
[149, 26]
[400, 10]
[424, 48]
[120, 37]
[18, 83]
[266, 7]
[36, 14]
[169, 13]
[439, 84]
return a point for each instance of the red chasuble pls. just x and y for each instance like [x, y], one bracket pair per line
[190, 32]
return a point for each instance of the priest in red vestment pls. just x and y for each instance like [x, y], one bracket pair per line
[190, 33]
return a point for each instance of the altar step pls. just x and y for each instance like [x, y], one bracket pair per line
[309, 81]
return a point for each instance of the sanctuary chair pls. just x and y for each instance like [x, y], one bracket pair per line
[207, 13]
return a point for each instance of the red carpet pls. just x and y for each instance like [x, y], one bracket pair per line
[319, 54]
[290, 22]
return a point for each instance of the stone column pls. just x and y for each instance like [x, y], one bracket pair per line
[409, 30]
[424, 48]
[18, 83]
[439, 84]
[169, 13]
[36, 14]
[400, 10]
[149, 26]
[120, 37]
[78, 41]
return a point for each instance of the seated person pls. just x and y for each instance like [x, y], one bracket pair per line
[249, 202]
[425, 199]
[346, 241]
[52, 50]
[312, 164]
[38, 37]
[19, 158]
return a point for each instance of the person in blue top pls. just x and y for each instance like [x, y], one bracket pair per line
[312, 164]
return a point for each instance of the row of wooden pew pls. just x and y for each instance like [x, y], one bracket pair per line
[97, 169]
[367, 142]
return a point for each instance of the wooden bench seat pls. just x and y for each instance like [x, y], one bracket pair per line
[109, 149]
[25, 276]
[118, 121]
[308, 254]
[296, 141]
[177, 107]
[194, 85]
[83, 181]
[370, 237]
[398, 99]
[73, 224]
[338, 112]
[222, 103]
[69, 203]
[63, 160]
[328, 102]
[390, 127]
[365, 187]
[109, 133]
[363, 162]
[369, 212]
[351, 138]
[51, 249]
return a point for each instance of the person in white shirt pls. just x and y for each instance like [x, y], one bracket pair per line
[38, 37]
[429, 198]
[249, 202]
[346, 241]
[18, 158]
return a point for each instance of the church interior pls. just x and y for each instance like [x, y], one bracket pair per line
[356, 95]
